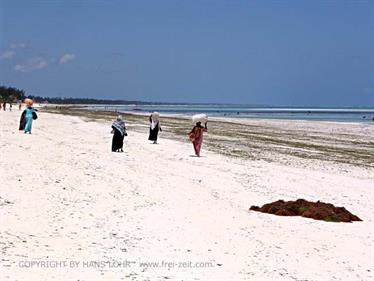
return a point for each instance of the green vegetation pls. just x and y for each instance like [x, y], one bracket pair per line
[10, 94]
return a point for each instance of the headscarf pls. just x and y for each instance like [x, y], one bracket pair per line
[119, 124]
[154, 120]
[28, 101]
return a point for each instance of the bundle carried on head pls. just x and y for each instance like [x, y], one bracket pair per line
[199, 118]
[155, 116]
[28, 102]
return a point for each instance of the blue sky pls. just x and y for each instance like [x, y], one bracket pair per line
[300, 53]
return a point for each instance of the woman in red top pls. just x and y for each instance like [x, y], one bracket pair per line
[196, 136]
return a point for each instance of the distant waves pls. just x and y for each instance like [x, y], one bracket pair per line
[322, 114]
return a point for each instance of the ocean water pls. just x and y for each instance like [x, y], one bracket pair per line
[244, 111]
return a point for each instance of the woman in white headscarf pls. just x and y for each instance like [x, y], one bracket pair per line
[154, 127]
[119, 132]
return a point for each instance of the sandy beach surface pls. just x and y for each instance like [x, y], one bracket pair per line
[70, 209]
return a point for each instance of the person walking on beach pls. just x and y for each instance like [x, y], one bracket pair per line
[119, 132]
[196, 136]
[4, 106]
[28, 115]
[154, 127]
[10, 107]
[20, 106]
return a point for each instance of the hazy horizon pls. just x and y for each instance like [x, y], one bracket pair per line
[273, 53]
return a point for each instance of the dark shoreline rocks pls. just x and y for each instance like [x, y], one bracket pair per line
[315, 210]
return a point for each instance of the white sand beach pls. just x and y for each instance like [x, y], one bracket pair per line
[66, 200]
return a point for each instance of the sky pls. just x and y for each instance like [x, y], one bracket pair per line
[288, 53]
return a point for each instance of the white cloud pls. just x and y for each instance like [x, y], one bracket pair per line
[65, 58]
[31, 65]
[7, 54]
[17, 45]
[11, 51]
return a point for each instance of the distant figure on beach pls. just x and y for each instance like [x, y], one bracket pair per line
[4, 106]
[119, 132]
[28, 115]
[154, 127]
[10, 107]
[196, 136]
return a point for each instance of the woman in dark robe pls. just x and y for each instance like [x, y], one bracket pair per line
[154, 127]
[119, 132]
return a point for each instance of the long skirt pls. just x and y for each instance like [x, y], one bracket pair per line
[153, 134]
[28, 125]
[117, 141]
[197, 143]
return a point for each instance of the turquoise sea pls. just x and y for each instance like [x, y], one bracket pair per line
[245, 111]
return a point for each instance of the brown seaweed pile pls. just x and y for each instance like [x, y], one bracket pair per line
[315, 210]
